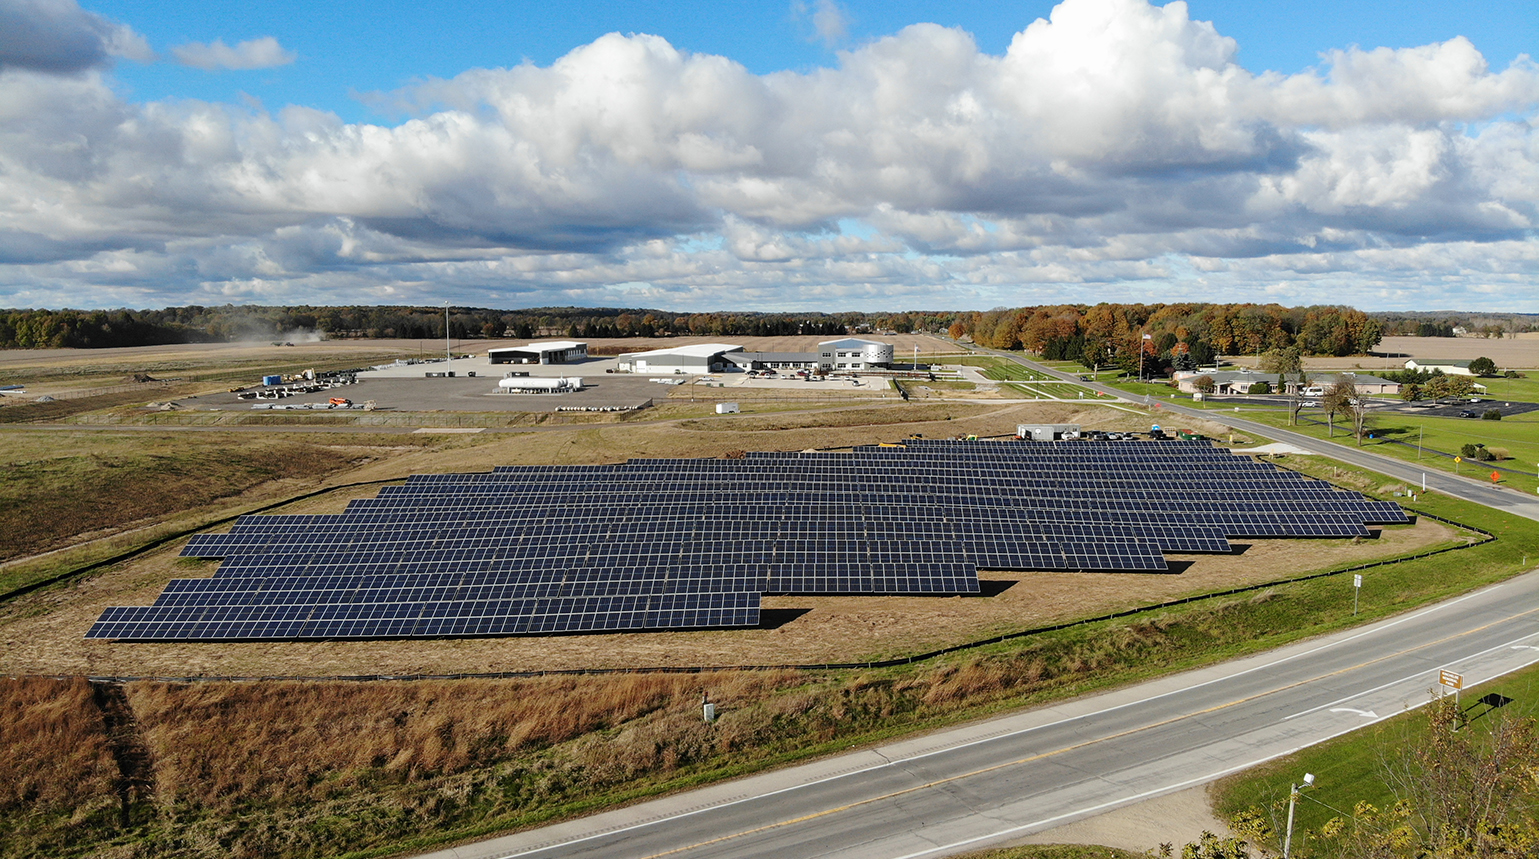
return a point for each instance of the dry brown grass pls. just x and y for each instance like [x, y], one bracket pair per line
[53, 745]
[56, 488]
[221, 746]
[58, 778]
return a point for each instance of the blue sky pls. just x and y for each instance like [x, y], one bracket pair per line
[348, 48]
[795, 155]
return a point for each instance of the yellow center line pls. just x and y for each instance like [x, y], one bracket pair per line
[1042, 755]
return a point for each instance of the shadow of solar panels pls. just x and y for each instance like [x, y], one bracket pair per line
[695, 543]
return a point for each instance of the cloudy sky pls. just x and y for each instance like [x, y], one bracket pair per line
[811, 155]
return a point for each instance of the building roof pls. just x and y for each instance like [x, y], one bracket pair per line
[1224, 377]
[693, 350]
[851, 343]
[542, 346]
[777, 356]
[1439, 362]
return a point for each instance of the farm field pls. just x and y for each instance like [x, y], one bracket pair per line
[1520, 353]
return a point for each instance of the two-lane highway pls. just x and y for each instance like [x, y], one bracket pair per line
[1005, 778]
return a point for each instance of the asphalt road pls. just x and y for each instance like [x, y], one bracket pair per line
[999, 780]
[1500, 498]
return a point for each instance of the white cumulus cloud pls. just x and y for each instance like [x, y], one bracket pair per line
[1116, 150]
[261, 53]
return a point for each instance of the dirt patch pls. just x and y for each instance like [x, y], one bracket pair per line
[1176, 819]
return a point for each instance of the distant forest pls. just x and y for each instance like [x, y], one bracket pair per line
[1178, 334]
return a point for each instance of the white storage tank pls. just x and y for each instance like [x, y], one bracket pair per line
[877, 353]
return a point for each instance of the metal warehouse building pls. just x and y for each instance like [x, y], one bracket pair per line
[547, 352]
[696, 358]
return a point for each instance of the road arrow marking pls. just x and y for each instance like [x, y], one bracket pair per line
[1367, 714]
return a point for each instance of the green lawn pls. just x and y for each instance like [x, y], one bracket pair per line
[1002, 369]
[1522, 390]
[1518, 435]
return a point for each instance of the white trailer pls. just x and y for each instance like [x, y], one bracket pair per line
[531, 385]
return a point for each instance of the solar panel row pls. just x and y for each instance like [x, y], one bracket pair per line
[695, 543]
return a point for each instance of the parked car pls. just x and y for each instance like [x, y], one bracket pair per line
[1468, 413]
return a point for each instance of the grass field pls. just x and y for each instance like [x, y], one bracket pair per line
[1398, 435]
[1000, 368]
[1524, 390]
[60, 488]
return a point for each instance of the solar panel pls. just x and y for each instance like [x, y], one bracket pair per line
[695, 543]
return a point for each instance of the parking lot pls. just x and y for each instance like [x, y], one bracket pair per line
[406, 387]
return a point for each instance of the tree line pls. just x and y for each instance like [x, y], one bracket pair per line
[1106, 334]
[1158, 338]
[88, 329]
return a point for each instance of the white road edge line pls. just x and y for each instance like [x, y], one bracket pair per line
[1339, 701]
[1193, 782]
[896, 761]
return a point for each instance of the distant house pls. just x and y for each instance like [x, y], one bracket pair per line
[1245, 381]
[1229, 381]
[1448, 368]
[1365, 384]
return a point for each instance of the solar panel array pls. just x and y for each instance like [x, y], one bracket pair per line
[695, 543]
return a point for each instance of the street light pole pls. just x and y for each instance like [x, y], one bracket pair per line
[1293, 798]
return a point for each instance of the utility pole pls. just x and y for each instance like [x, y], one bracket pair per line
[1293, 798]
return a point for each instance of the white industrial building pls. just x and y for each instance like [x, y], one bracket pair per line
[853, 353]
[546, 352]
[849, 354]
[696, 358]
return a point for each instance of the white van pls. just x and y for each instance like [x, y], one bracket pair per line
[1314, 391]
